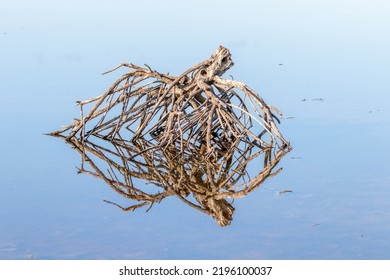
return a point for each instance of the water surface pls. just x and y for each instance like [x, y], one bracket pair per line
[325, 65]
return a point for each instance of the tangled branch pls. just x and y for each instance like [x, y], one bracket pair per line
[195, 133]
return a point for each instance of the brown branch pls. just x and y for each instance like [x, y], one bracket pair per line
[188, 135]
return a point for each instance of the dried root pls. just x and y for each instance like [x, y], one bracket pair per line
[192, 134]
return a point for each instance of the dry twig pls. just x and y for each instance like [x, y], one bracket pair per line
[195, 133]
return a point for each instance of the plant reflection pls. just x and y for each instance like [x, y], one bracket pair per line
[206, 183]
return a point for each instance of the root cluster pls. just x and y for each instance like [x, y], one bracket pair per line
[196, 136]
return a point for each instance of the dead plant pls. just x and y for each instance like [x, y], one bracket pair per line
[195, 133]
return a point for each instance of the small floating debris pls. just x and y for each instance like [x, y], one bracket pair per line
[320, 99]
[284, 192]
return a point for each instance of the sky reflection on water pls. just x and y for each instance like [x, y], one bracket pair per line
[52, 54]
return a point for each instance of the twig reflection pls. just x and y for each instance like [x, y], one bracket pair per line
[206, 184]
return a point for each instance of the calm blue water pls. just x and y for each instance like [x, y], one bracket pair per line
[333, 81]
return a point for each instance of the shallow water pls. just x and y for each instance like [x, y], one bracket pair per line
[332, 87]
